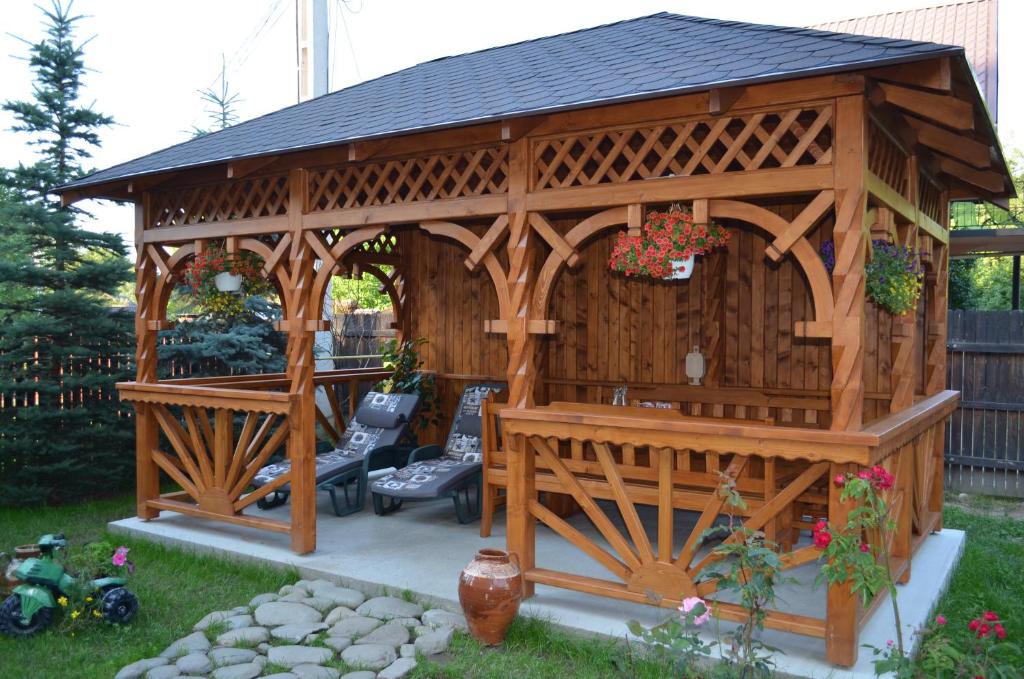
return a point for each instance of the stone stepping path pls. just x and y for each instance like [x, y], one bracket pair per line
[309, 630]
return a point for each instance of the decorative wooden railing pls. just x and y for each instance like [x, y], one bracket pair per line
[641, 456]
[240, 199]
[211, 435]
[458, 174]
[685, 147]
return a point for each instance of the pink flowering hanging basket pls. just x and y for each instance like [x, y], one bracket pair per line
[667, 246]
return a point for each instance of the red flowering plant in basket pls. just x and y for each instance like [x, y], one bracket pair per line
[200, 274]
[666, 237]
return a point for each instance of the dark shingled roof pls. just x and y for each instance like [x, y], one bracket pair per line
[640, 58]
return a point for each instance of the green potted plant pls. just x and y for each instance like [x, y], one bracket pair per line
[668, 245]
[219, 281]
[404, 361]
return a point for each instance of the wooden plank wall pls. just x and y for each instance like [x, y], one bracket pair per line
[613, 330]
[447, 304]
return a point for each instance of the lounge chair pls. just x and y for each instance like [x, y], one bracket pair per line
[434, 472]
[376, 441]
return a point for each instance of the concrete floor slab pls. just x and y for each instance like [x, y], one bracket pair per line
[423, 549]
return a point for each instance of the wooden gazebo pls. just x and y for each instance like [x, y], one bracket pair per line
[484, 191]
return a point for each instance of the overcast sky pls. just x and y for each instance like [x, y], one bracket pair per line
[148, 58]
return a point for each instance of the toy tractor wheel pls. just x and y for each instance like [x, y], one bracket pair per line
[119, 605]
[11, 623]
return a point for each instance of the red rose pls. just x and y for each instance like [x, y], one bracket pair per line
[864, 547]
[984, 630]
[1000, 631]
[990, 616]
[821, 525]
[822, 539]
[839, 480]
[973, 625]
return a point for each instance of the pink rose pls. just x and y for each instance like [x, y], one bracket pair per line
[691, 603]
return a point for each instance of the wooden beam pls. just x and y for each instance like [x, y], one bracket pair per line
[364, 150]
[234, 227]
[721, 99]
[988, 180]
[554, 239]
[634, 219]
[147, 183]
[889, 197]
[533, 327]
[246, 166]
[438, 210]
[943, 109]
[934, 74]
[517, 128]
[955, 145]
[771, 182]
[799, 227]
[488, 242]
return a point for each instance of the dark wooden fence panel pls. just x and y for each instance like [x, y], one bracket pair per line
[359, 337]
[985, 437]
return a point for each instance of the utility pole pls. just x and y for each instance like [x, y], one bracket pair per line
[312, 39]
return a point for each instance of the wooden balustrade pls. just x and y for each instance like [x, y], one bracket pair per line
[211, 435]
[662, 458]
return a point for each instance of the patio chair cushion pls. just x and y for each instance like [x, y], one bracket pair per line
[387, 411]
[462, 456]
[358, 439]
[464, 440]
[425, 480]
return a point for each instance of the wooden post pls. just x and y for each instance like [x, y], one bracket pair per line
[520, 534]
[522, 272]
[301, 369]
[847, 389]
[522, 366]
[935, 353]
[147, 474]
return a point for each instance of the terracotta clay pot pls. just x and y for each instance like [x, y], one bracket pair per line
[20, 554]
[490, 589]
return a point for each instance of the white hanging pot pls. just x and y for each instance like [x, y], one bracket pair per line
[230, 282]
[681, 269]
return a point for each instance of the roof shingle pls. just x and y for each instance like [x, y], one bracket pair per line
[646, 57]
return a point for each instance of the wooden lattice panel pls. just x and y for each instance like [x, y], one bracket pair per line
[929, 197]
[801, 136]
[888, 160]
[448, 175]
[249, 198]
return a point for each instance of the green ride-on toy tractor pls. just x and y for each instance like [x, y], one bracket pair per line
[30, 608]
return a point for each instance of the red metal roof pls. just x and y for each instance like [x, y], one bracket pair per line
[971, 25]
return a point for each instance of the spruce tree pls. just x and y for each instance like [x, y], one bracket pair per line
[63, 433]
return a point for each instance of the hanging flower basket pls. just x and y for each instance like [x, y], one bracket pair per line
[219, 282]
[668, 246]
[892, 276]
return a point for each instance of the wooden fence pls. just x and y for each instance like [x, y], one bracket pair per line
[985, 436]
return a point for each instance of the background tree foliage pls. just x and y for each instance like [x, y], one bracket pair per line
[68, 438]
[985, 283]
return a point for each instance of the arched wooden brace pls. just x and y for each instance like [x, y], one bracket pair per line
[470, 240]
[809, 261]
[169, 269]
[577, 235]
[336, 254]
[807, 258]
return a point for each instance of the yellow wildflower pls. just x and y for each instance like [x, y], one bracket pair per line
[63, 601]
[75, 614]
[96, 614]
[88, 599]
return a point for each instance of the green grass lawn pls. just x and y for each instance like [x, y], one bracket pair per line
[177, 587]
